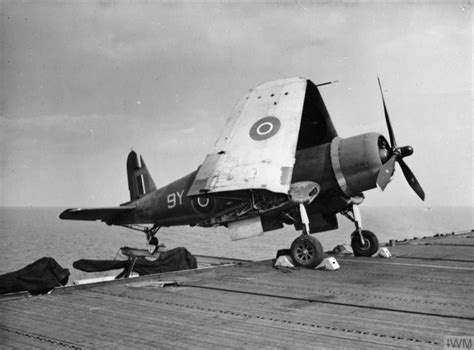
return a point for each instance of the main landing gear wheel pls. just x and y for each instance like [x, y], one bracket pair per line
[307, 251]
[370, 246]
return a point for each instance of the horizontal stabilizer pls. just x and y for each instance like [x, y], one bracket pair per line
[109, 215]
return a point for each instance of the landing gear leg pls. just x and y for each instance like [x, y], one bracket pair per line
[363, 242]
[358, 223]
[150, 233]
[306, 250]
[304, 219]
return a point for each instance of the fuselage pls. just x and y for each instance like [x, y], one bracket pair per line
[342, 168]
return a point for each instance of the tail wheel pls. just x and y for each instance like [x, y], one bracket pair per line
[153, 245]
[153, 241]
[307, 251]
[370, 246]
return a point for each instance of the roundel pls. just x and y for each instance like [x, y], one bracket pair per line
[264, 128]
[203, 205]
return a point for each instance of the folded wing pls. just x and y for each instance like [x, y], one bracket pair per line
[256, 149]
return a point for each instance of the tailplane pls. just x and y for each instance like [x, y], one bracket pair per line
[139, 179]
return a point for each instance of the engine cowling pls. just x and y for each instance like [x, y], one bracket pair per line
[356, 161]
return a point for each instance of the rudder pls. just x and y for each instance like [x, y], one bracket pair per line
[139, 179]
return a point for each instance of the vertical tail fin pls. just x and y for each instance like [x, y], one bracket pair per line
[139, 179]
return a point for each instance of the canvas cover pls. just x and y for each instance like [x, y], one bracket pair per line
[38, 277]
[172, 260]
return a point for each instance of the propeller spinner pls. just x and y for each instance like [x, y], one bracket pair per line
[396, 155]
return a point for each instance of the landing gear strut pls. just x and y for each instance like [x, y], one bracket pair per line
[150, 234]
[306, 250]
[363, 242]
[152, 241]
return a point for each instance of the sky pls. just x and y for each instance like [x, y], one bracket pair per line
[83, 83]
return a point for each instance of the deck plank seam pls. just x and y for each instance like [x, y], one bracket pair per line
[42, 338]
[333, 303]
[433, 259]
[344, 293]
[448, 244]
[413, 278]
[410, 265]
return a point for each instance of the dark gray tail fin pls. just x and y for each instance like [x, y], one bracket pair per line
[139, 179]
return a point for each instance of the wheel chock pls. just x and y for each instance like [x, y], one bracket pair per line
[284, 261]
[382, 253]
[329, 263]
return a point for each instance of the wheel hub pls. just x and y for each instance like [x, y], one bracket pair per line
[366, 245]
[304, 253]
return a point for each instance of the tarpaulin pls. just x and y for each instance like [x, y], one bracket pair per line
[37, 278]
[172, 260]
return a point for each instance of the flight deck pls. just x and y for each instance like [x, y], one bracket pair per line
[418, 298]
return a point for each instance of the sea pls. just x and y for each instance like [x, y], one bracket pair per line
[28, 234]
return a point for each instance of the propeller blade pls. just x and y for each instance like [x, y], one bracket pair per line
[387, 118]
[385, 173]
[412, 181]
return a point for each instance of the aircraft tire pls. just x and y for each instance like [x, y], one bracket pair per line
[307, 251]
[370, 247]
[153, 241]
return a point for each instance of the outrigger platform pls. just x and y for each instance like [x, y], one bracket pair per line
[418, 298]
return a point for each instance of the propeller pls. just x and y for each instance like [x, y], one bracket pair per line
[396, 155]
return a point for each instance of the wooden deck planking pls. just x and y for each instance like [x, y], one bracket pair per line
[234, 307]
[111, 324]
[362, 288]
[240, 318]
[258, 333]
[165, 317]
[245, 333]
[119, 315]
[216, 326]
[114, 324]
[391, 300]
[291, 306]
[314, 315]
[409, 301]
